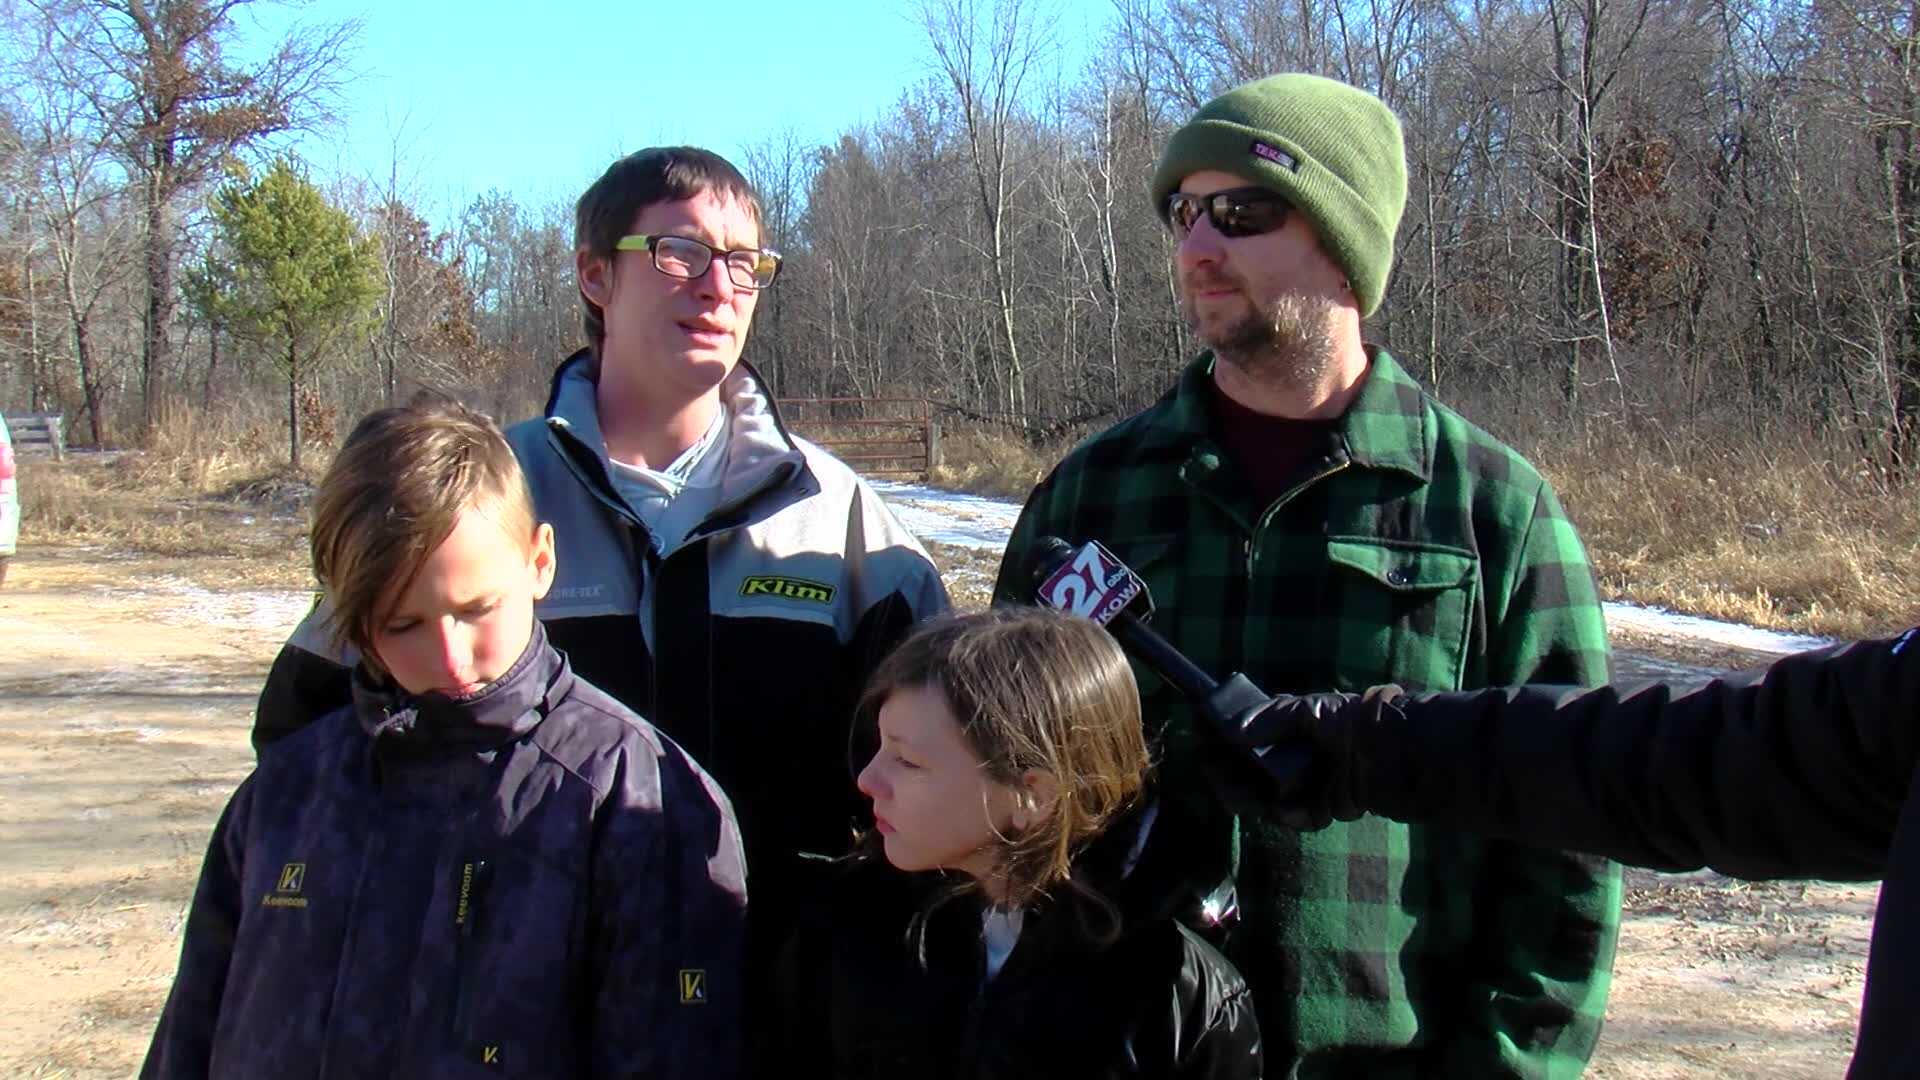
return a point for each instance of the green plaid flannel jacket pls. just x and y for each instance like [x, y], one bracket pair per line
[1418, 551]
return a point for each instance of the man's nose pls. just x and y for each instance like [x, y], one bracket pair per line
[1202, 244]
[716, 282]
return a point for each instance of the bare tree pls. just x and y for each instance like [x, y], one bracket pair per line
[171, 108]
[78, 206]
[780, 167]
[987, 68]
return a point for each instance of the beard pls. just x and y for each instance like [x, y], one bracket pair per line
[1288, 344]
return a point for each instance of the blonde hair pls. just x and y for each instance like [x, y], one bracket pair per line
[395, 491]
[1033, 690]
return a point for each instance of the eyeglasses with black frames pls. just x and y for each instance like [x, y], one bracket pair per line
[685, 257]
[1236, 212]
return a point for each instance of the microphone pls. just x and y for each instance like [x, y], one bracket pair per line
[1093, 583]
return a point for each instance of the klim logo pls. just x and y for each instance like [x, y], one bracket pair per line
[693, 986]
[286, 892]
[786, 588]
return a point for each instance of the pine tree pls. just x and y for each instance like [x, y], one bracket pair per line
[296, 274]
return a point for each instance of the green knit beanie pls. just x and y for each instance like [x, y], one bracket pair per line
[1334, 151]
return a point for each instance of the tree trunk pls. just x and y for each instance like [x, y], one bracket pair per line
[89, 379]
[1433, 282]
[78, 317]
[1567, 225]
[153, 352]
[34, 378]
[1906, 373]
[213, 364]
[293, 405]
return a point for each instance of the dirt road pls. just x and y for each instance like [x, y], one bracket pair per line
[125, 697]
[126, 690]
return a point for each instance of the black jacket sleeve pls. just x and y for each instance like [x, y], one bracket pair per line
[1797, 770]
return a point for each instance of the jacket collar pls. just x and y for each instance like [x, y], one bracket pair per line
[1388, 426]
[1108, 900]
[505, 710]
[761, 453]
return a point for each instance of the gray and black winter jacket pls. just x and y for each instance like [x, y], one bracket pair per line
[747, 644]
[531, 883]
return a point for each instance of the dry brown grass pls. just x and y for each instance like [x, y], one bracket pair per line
[968, 573]
[211, 495]
[89, 502]
[990, 461]
[1773, 535]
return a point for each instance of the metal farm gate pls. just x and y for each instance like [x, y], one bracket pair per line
[878, 436]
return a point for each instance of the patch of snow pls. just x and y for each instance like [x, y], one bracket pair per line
[1655, 620]
[132, 680]
[274, 609]
[47, 930]
[946, 517]
[93, 726]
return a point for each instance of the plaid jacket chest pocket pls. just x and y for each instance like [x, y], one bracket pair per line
[1399, 612]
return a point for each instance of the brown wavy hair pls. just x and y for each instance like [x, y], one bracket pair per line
[394, 492]
[1033, 690]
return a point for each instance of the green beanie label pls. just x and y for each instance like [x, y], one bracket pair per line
[1274, 154]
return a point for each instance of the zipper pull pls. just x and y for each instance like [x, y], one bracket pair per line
[474, 874]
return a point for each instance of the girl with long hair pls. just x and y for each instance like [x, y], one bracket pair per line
[992, 923]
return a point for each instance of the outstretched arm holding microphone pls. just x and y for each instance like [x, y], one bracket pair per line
[1806, 768]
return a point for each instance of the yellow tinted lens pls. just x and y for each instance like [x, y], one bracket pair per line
[765, 265]
[679, 256]
[752, 268]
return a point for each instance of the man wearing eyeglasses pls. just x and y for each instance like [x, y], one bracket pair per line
[1304, 513]
[729, 581]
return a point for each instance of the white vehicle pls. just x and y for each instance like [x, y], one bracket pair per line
[9, 502]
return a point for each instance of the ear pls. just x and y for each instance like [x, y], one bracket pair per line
[1035, 797]
[542, 560]
[595, 275]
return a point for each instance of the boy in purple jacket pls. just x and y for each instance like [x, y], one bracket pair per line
[484, 866]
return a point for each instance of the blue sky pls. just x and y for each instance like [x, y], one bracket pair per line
[536, 101]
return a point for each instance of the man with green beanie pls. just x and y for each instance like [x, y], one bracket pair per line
[1304, 513]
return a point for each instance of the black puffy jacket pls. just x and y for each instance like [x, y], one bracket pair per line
[872, 984]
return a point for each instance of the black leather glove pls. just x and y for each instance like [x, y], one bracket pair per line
[1308, 748]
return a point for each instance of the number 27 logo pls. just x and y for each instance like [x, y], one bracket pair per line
[1094, 584]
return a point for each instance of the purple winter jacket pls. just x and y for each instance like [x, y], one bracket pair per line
[531, 883]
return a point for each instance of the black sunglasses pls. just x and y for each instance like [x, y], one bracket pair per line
[1236, 212]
